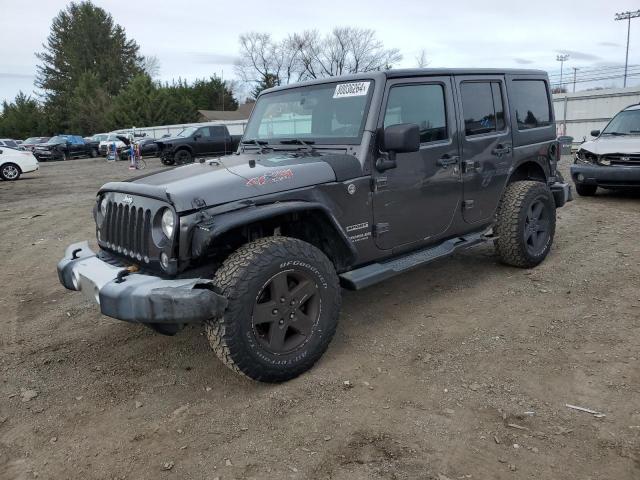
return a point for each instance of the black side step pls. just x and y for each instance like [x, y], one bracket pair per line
[376, 272]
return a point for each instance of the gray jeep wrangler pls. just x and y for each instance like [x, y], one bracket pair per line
[339, 182]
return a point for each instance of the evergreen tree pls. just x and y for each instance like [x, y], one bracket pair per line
[212, 94]
[84, 38]
[143, 103]
[22, 118]
[90, 105]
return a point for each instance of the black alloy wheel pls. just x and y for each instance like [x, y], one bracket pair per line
[536, 229]
[286, 311]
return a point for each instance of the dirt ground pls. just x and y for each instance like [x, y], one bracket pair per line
[459, 370]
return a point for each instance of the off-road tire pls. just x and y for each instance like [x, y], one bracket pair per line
[166, 161]
[511, 224]
[241, 278]
[586, 190]
[10, 172]
[182, 157]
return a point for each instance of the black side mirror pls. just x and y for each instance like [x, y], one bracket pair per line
[400, 138]
[595, 133]
[197, 136]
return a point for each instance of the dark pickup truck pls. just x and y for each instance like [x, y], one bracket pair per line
[64, 147]
[339, 182]
[194, 142]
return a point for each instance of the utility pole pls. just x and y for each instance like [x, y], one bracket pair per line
[575, 70]
[627, 16]
[222, 82]
[562, 58]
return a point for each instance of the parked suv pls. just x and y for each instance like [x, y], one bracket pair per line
[612, 159]
[343, 181]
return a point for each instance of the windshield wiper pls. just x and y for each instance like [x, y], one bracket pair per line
[614, 133]
[259, 143]
[297, 141]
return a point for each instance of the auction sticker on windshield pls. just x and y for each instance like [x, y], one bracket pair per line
[353, 89]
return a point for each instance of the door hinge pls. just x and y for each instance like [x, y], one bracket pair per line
[468, 204]
[380, 228]
[379, 183]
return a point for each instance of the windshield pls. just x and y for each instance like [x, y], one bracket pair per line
[34, 140]
[11, 143]
[187, 132]
[58, 139]
[626, 122]
[326, 113]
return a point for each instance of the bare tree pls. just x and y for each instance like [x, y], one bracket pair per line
[307, 55]
[421, 59]
[151, 66]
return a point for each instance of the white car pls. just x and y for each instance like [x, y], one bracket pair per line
[14, 163]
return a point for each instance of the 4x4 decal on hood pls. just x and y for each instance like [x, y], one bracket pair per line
[270, 177]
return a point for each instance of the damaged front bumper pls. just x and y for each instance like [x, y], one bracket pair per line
[606, 175]
[137, 297]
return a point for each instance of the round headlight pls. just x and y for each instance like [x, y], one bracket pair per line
[168, 222]
[103, 207]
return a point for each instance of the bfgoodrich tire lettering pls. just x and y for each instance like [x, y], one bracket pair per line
[526, 224]
[243, 341]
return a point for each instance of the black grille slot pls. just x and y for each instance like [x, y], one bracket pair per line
[127, 230]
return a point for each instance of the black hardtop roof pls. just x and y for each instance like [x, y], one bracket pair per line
[411, 72]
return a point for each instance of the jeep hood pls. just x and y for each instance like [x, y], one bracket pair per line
[233, 178]
[613, 144]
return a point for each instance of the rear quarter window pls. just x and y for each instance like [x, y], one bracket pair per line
[531, 103]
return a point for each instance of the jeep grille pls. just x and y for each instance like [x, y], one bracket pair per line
[127, 230]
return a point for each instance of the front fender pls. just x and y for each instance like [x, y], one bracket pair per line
[205, 233]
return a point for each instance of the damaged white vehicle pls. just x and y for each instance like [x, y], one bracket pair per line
[612, 159]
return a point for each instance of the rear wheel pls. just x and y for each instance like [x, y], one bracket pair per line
[182, 156]
[10, 172]
[284, 302]
[586, 190]
[526, 224]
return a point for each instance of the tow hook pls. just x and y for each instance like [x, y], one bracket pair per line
[123, 273]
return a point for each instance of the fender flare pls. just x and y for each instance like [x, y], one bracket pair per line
[205, 233]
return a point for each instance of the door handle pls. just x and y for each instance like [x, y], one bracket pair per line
[447, 160]
[501, 149]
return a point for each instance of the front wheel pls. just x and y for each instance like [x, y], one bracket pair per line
[10, 172]
[182, 156]
[283, 305]
[526, 224]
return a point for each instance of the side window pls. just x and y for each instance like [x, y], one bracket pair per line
[420, 104]
[482, 107]
[217, 132]
[204, 131]
[531, 102]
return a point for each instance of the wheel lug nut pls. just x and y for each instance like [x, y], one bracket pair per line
[292, 303]
[274, 311]
[282, 299]
[291, 315]
[281, 321]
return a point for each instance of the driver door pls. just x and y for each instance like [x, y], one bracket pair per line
[416, 200]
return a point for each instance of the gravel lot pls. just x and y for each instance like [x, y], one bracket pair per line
[458, 370]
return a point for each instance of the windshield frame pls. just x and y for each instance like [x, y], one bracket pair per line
[316, 141]
[58, 139]
[180, 134]
[605, 131]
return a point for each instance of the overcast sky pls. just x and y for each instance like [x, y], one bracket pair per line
[196, 38]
